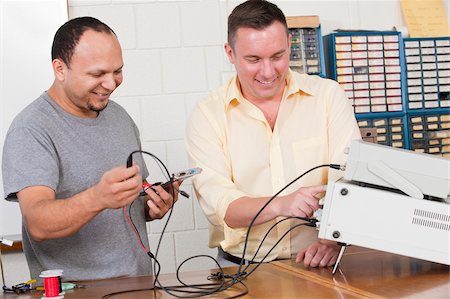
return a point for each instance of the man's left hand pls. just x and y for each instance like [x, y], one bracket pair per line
[160, 201]
[322, 253]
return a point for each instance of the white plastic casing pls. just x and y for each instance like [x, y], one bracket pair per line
[386, 221]
[414, 173]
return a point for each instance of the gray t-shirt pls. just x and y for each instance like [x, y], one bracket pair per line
[49, 147]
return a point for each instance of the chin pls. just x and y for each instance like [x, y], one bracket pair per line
[98, 108]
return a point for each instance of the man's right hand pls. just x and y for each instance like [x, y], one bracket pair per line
[48, 218]
[301, 203]
[117, 188]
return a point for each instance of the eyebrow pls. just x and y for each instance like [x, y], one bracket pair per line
[274, 54]
[103, 71]
[279, 52]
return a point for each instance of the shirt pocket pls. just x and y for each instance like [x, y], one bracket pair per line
[310, 152]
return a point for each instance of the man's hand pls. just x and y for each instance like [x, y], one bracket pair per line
[322, 253]
[161, 201]
[117, 188]
[48, 218]
[301, 203]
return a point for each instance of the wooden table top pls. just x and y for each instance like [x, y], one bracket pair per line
[377, 274]
[268, 281]
[363, 273]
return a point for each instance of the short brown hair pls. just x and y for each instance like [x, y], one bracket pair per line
[255, 14]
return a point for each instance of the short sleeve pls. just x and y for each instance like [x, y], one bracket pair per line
[29, 159]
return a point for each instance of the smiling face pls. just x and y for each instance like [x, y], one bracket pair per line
[95, 71]
[261, 59]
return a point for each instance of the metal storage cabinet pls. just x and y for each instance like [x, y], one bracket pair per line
[368, 65]
[307, 55]
[428, 73]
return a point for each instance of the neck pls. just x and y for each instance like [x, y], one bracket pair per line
[58, 95]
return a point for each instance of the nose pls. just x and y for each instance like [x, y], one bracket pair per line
[267, 68]
[110, 82]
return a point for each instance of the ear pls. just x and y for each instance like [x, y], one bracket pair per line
[59, 68]
[230, 52]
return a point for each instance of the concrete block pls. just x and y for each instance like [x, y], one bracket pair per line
[158, 25]
[121, 19]
[177, 155]
[182, 218]
[155, 170]
[166, 253]
[163, 118]
[214, 65]
[200, 23]
[184, 70]
[142, 73]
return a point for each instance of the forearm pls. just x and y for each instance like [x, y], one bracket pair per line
[50, 218]
[301, 203]
[47, 217]
[242, 211]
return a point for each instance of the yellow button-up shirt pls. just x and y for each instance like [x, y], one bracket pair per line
[231, 140]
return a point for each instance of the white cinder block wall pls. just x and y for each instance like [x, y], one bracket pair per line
[173, 55]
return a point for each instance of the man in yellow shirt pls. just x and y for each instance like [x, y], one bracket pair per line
[260, 131]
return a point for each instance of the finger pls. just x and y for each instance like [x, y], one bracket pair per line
[307, 259]
[325, 259]
[132, 184]
[332, 260]
[329, 258]
[312, 202]
[165, 195]
[121, 173]
[176, 188]
[127, 172]
[177, 184]
[156, 199]
[300, 256]
[121, 192]
[332, 255]
[153, 210]
[316, 260]
[304, 211]
[309, 255]
[314, 190]
[162, 193]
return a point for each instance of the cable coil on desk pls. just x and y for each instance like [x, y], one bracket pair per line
[52, 284]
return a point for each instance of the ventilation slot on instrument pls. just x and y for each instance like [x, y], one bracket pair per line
[431, 219]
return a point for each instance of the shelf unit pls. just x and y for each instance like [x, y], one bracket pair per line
[428, 73]
[368, 65]
[429, 132]
[307, 55]
[391, 129]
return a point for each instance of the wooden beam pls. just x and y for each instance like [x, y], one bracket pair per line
[303, 22]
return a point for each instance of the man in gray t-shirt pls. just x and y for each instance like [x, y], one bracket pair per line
[64, 160]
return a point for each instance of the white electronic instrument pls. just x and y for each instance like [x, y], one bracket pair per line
[392, 200]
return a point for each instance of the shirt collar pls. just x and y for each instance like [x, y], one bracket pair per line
[301, 85]
[298, 83]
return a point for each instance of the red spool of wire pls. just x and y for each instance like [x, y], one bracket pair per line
[52, 284]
